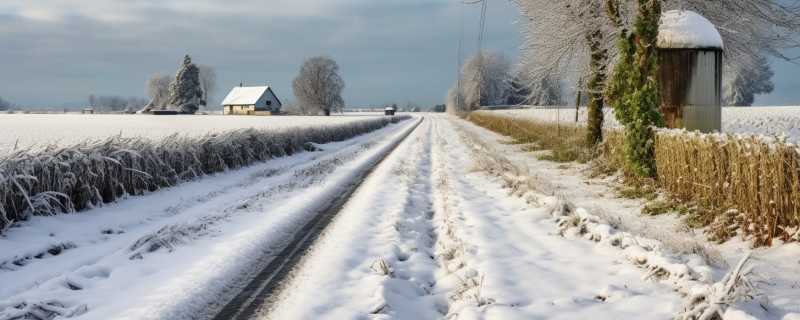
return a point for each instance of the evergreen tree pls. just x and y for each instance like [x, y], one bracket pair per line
[633, 91]
[186, 92]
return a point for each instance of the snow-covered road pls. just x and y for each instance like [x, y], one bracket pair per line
[179, 253]
[445, 227]
[430, 235]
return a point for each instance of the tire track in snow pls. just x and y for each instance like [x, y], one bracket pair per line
[171, 219]
[377, 259]
[258, 296]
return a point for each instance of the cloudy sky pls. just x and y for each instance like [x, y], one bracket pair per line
[57, 52]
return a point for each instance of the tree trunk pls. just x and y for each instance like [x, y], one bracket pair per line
[595, 88]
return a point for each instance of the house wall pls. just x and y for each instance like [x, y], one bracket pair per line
[268, 102]
[239, 110]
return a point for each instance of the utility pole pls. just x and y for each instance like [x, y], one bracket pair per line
[481, 68]
[459, 103]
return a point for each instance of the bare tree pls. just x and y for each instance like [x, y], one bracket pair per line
[567, 40]
[157, 88]
[486, 80]
[454, 101]
[109, 103]
[295, 109]
[208, 81]
[741, 86]
[318, 86]
[546, 93]
[135, 103]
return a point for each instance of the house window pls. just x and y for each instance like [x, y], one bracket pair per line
[269, 102]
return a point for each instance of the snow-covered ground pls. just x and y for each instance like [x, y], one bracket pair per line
[177, 253]
[430, 237]
[453, 224]
[775, 268]
[433, 235]
[39, 130]
[770, 121]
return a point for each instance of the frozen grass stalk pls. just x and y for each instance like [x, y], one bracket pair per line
[86, 175]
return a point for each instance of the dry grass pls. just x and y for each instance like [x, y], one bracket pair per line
[747, 181]
[729, 184]
[565, 142]
[86, 175]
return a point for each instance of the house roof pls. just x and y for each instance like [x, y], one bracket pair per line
[245, 95]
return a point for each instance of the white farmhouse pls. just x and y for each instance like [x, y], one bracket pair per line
[260, 101]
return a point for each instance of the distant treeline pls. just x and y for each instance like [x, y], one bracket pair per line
[116, 103]
[4, 105]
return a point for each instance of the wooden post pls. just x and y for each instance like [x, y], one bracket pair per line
[578, 99]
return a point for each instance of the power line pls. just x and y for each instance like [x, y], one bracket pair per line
[481, 32]
[482, 25]
[460, 56]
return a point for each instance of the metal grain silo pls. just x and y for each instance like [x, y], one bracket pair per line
[690, 57]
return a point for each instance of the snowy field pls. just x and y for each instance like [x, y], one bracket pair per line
[40, 130]
[770, 121]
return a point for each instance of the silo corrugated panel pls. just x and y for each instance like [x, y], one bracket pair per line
[702, 109]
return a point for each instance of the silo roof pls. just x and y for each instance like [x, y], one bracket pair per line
[682, 29]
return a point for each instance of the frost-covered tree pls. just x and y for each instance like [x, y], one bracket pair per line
[185, 92]
[454, 101]
[108, 103]
[208, 81]
[4, 105]
[318, 86]
[486, 80]
[519, 90]
[295, 109]
[157, 89]
[569, 39]
[547, 92]
[741, 86]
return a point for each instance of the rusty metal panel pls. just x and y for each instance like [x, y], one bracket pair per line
[691, 87]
